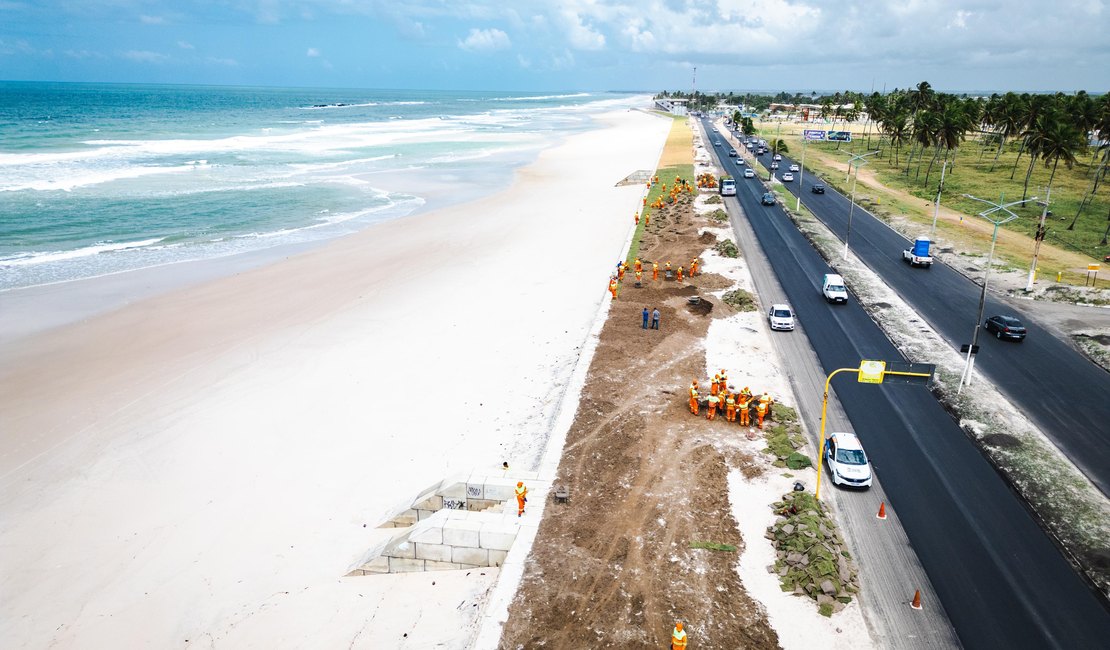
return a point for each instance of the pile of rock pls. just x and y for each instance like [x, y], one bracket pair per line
[811, 556]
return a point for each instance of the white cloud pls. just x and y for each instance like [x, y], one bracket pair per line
[215, 60]
[485, 40]
[152, 20]
[960, 21]
[582, 36]
[144, 56]
[312, 52]
[523, 61]
[185, 45]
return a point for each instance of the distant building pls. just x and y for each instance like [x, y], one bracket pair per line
[672, 105]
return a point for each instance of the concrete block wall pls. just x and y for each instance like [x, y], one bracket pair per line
[464, 522]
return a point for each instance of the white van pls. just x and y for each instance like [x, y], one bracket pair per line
[833, 288]
[727, 186]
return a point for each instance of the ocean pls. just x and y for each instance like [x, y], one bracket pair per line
[97, 179]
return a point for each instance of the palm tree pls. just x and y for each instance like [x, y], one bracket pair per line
[1034, 108]
[952, 126]
[896, 125]
[1008, 121]
[875, 105]
[1058, 140]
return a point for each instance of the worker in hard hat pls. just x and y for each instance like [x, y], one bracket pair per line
[613, 287]
[639, 265]
[712, 403]
[767, 401]
[715, 386]
[620, 271]
[637, 218]
[743, 404]
[723, 379]
[730, 405]
[667, 268]
[678, 637]
[760, 413]
[680, 274]
[521, 497]
[694, 397]
[746, 392]
[693, 267]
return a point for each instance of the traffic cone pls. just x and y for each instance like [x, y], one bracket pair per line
[882, 511]
[916, 604]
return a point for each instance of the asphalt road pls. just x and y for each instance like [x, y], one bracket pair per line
[1064, 393]
[1001, 580]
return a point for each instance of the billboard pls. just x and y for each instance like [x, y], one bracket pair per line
[813, 134]
[840, 136]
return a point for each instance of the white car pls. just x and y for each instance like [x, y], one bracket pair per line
[847, 461]
[781, 317]
[787, 177]
[778, 157]
[774, 165]
[748, 173]
[795, 168]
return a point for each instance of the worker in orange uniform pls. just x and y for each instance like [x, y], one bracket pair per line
[655, 271]
[723, 379]
[766, 399]
[730, 406]
[637, 218]
[620, 271]
[715, 386]
[645, 201]
[678, 637]
[712, 403]
[521, 497]
[680, 274]
[639, 277]
[694, 397]
[647, 219]
[743, 404]
[639, 266]
[746, 392]
[761, 412]
[693, 267]
[613, 287]
[667, 268]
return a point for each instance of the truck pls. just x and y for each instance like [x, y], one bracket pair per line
[919, 254]
[832, 287]
[727, 186]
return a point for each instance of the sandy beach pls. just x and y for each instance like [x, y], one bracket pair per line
[203, 466]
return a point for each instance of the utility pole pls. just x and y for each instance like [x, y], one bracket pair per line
[852, 200]
[1038, 238]
[936, 207]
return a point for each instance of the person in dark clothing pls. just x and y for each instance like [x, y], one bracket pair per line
[645, 326]
[655, 319]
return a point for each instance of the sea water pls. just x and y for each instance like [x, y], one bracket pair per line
[98, 179]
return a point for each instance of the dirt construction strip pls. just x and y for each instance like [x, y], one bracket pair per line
[614, 567]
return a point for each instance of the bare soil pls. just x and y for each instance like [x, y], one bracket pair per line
[614, 567]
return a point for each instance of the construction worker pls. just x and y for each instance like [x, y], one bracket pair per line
[715, 387]
[712, 403]
[639, 276]
[639, 265]
[620, 271]
[746, 392]
[743, 404]
[723, 379]
[655, 271]
[693, 267]
[767, 401]
[637, 217]
[647, 219]
[521, 497]
[730, 406]
[694, 397]
[680, 274]
[613, 287]
[761, 412]
[678, 637]
[667, 268]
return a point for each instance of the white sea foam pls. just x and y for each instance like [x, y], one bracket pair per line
[29, 259]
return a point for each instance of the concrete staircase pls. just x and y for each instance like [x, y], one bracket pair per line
[459, 523]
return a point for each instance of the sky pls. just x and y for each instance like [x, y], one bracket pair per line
[650, 45]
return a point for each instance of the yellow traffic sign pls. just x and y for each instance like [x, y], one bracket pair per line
[871, 372]
[1093, 267]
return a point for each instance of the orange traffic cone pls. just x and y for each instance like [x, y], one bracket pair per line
[882, 511]
[916, 604]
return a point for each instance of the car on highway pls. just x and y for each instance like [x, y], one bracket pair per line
[1005, 327]
[774, 165]
[787, 177]
[781, 317]
[795, 168]
[750, 145]
[848, 464]
[749, 173]
[818, 188]
[716, 143]
[731, 153]
[778, 157]
[739, 160]
[768, 198]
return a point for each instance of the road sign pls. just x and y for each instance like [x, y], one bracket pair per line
[974, 350]
[871, 372]
[840, 136]
[813, 134]
[1093, 267]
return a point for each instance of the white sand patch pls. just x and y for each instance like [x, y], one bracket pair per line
[794, 618]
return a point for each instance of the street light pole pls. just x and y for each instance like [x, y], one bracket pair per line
[1038, 238]
[936, 207]
[852, 204]
[969, 363]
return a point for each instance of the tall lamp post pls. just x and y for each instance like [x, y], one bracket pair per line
[965, 378]
[852, 205]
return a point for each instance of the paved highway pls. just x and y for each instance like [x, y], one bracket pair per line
[1001, 580]
[1062, 391]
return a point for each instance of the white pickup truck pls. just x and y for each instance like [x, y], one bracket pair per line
[919, 254]
[832, 287]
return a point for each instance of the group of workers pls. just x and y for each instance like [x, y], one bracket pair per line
[725, 398]
[638, 267]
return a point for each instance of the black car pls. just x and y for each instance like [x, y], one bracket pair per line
[769, 199]
[818, 188]
[1005, 327]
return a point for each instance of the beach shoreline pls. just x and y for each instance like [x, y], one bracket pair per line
[211, 446]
